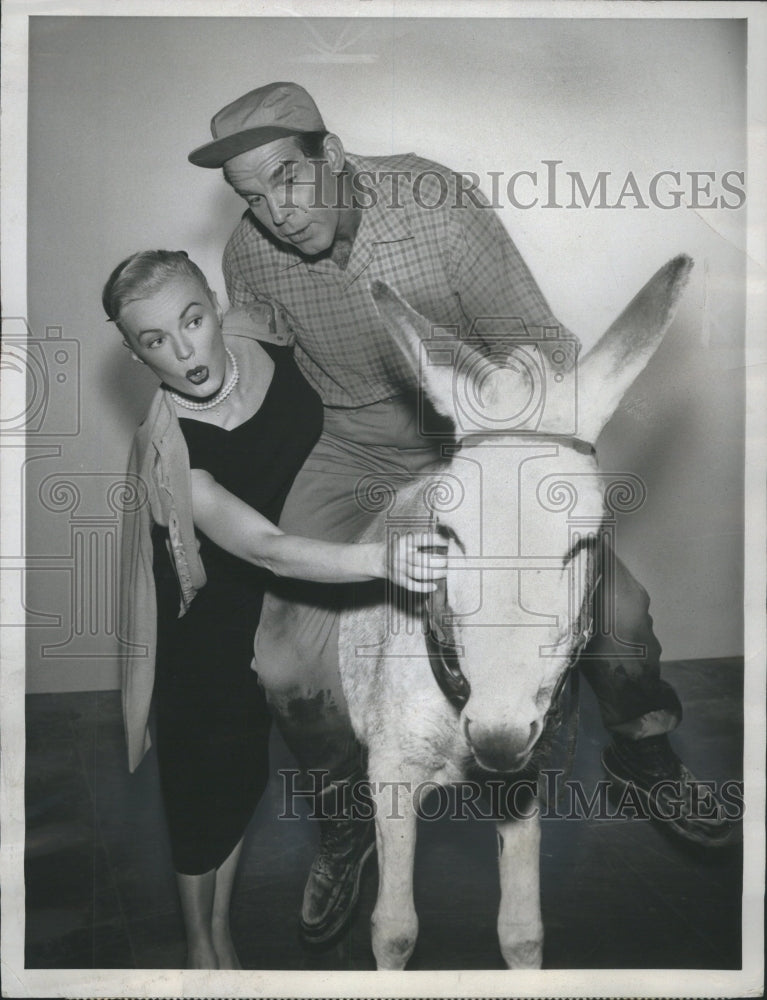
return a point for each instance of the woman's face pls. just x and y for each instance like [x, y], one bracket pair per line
[176, 331]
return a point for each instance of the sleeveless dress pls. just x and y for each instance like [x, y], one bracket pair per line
[212, 721]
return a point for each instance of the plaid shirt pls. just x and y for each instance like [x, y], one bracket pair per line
[454, 263]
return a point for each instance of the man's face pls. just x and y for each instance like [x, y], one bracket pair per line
[292, 197]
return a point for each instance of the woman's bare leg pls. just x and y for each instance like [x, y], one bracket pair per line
[197, 893]
[221, 936]
[205, 903]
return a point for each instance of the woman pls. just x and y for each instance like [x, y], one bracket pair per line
[225, 435]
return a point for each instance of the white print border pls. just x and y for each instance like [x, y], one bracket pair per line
[18, 981]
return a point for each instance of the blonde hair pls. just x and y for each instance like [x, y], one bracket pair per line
[141, 274]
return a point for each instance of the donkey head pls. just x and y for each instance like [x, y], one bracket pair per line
[524, 539]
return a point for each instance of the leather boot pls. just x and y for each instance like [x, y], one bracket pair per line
[672, 794]
[333, 886]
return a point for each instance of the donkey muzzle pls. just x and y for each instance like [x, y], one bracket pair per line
[501, 747]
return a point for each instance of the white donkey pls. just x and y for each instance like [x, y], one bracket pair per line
[474, 687]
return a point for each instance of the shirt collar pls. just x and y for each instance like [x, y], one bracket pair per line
[379, 224]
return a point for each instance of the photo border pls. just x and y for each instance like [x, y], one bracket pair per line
[17, 981]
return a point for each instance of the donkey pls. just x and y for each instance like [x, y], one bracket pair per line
[467, 680]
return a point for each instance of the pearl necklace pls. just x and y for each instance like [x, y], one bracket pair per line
[219, 396]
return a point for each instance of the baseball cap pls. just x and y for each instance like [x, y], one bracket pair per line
[258, 117]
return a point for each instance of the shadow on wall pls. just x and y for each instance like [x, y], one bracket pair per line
[129, 386]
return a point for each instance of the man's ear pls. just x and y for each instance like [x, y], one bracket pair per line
[334, 152]
[134, 356]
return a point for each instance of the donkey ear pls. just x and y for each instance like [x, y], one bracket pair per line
[607, 371]
[412, 333]
[473, 390]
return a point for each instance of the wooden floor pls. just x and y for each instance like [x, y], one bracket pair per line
[617, 893]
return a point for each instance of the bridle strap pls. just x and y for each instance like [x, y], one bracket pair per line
[584, 628]
[444, 656]
[580, 445]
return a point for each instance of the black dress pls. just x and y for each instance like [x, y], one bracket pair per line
[212, 719]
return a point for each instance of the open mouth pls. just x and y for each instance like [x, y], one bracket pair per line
[197, 375]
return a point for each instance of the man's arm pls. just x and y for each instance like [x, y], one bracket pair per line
[492, 279]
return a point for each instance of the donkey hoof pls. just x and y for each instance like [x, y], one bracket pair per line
[393, 950]
[524, 954]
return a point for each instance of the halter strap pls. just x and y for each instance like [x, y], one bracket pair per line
[580, 445]
[445, 654]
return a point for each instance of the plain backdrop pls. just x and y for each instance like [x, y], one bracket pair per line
[115, 105]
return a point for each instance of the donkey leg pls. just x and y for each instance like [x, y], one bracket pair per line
[520, 927]
[394, 923]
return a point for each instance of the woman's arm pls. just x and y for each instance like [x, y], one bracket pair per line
[241, 530]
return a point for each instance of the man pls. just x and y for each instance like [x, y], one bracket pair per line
[321, 226]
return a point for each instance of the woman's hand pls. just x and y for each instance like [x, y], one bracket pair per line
[416, 560]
